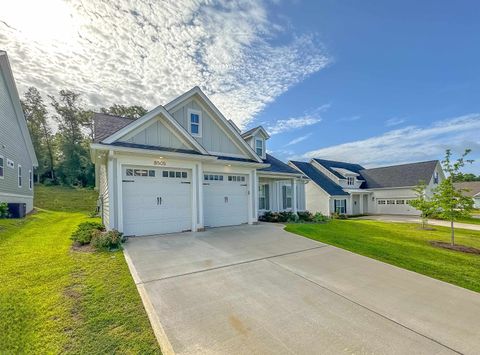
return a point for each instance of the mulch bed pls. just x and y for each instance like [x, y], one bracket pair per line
[461, 248]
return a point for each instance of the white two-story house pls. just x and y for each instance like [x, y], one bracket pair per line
[351, 189]
[185, 167]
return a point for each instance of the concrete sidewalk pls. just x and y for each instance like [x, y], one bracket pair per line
[261, 290]
[414, 219]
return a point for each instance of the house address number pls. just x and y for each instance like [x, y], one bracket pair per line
[159, 163]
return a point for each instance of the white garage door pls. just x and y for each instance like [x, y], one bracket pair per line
[395, 206]
[156, 201]
[225, 199]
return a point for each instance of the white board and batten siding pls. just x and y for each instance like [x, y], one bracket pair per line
[154, 134]
[213, 138]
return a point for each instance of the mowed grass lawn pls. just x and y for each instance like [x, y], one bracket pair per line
[403, 245]
[55, 300]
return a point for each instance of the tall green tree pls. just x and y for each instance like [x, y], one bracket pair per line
[426, 207]
[74, 167]
[467, 177]
[36, 115]
[452, 204]
[134, 111]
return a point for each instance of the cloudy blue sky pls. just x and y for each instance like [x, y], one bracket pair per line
[375, 82]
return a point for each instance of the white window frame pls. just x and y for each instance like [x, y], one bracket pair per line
[3, 167]
[350, 180]
[262, 141]
[30, 179]
[285, 197]
[340, 205]
[19, 176]
[262, 194]
[200, 122]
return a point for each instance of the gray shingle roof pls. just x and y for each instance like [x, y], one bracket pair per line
[104, 125]
[399, 175]
[330, 164]
[319, 178]
[277, 166]
[473, 187]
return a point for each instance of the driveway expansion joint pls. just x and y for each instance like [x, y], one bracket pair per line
[364, 307]
[230, 265]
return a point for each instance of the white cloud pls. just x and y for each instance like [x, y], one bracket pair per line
[288, 124]
[299, 139]
[394, 121]
[408, 144]
[148, 52]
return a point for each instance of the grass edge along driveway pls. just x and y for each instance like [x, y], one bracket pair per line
[403, 245]
[54, 300]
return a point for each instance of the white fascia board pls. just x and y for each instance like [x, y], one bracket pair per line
[241, 163]
[149, 116]
[391, 188]
[15, 100]
[271, 174]
[199, 92]
[142, 151]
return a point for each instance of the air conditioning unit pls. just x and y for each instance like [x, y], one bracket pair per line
[17, 210]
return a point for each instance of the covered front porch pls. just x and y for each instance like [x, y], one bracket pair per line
[358, 202]
[278, 193]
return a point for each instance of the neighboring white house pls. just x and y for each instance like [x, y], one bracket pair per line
[472, 189]
[184, 166]
[17, 156]
[350, 189]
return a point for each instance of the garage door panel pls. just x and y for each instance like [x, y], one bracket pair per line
[397, 205]
[156, 204]
[225, 200]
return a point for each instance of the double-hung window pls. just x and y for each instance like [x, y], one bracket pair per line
[340, 206]
[19, 176]
[263, 197]
[195, 122]
[2, 171]
[259, 147]
[350, 180]
[287, 197]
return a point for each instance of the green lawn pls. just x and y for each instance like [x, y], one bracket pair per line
[65, 199]
[55, 300]
[403, 245]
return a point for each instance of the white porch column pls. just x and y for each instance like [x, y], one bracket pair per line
[194, 197]
[200, 224]
[255, 196]
[111, 192]
[350, 204]
[361, 204]
[294, 195]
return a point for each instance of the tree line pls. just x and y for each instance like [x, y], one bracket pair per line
[63, 149]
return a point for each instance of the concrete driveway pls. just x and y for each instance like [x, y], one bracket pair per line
[261, 290]
[415, 219]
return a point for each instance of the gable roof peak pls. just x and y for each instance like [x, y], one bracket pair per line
[254, 131]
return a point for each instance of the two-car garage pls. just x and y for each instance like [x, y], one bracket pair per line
[160, 200]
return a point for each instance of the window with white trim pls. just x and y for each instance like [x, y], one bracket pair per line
[30, 179]
[259, 146]
[350, 180]
[286, 196]
[390, 202]
[400, 202]
[195, 123]
[2, 173]
[381, 202]
[263, 196]
[19, 176]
